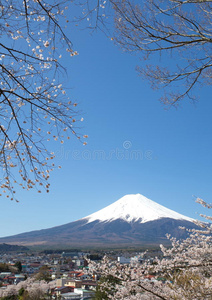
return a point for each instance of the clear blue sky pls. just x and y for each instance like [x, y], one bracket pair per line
[123, 118]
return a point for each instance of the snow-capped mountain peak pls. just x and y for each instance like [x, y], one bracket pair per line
[135, 208]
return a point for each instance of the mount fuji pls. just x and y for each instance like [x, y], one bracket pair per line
[132, 221]
[134, 208]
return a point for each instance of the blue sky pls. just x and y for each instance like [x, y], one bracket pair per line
[135, 144]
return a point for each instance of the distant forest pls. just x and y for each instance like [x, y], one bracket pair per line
[8, 248]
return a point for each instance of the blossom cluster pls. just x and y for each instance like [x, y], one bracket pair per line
[183, 272]
[34, 289]
[35, 107]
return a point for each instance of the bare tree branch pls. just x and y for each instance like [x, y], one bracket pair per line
[180, 28]
[34, 105]
[177, 32]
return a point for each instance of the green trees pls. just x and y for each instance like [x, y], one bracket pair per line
[106, 287]
[4, 267]
[43, 274]
[18, 265]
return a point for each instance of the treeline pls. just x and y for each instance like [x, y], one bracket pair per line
[10, 248]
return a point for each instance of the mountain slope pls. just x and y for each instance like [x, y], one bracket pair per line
[131, 221]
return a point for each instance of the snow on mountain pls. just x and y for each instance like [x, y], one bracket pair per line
[135, 208]
[113, 227]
